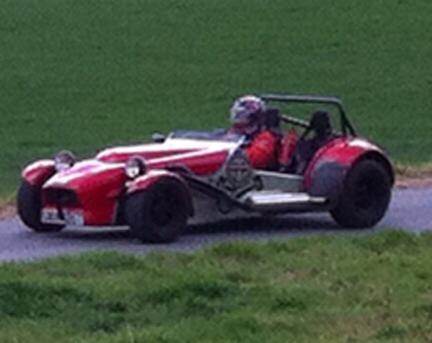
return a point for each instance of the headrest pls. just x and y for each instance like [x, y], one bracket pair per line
[271, 118]
[320, 122]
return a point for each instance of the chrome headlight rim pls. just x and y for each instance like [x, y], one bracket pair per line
[135, 167]
[64, 160]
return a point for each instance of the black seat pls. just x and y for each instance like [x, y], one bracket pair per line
[321, 131]
[320, 125]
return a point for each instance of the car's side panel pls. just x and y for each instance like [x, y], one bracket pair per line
[170, 148]
[200, 157]
[38, 172]
[121, 155]
[201, 163]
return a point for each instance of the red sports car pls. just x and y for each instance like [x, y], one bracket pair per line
[155, 188]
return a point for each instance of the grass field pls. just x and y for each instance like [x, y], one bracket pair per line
[327, 289]
[84, 74]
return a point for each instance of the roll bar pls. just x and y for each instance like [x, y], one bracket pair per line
[346, 126]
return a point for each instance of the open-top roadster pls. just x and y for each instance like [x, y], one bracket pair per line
[154, 188]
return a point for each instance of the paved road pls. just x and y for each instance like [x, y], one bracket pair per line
[411, 210]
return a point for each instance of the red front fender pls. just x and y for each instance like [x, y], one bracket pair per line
[153, 177]
[38, 172]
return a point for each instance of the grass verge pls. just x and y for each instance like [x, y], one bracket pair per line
[415, 171]
[320, 289]
[7, 205]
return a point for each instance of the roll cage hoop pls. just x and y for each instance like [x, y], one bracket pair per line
[346, 126]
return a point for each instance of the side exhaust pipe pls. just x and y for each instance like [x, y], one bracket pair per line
[283, 202]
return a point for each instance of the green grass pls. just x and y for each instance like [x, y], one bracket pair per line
[85, 74]
[320, 289]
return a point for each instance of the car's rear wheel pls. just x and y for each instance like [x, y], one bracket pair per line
[365, 197]
[29, 206]
[157, 214]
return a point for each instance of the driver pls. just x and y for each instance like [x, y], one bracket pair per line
[247, 114]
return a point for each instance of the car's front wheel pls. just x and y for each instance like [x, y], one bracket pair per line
[157, 214]
[29, 205]
[365, 196]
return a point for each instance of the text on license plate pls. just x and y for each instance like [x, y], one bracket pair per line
[68, 217]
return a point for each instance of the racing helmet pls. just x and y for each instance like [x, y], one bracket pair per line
[245, 114]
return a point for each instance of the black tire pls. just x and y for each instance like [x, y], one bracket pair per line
[157, 214]
[365, 196]
[29, 205]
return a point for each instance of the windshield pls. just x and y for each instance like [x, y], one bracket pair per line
[214, 135]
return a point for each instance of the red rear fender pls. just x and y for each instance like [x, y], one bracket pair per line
[38, 172]
[325, 173]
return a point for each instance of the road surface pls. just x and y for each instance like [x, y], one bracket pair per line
[410, 210]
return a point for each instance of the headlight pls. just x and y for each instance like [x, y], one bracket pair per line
[64, 160]
[135, 167]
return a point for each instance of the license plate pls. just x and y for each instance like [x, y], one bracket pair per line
[51, 216]
[73, 218]
[68, 217]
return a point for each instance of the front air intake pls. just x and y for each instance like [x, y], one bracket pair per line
[58, 196]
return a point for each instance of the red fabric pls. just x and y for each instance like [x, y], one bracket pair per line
[288, 145]
[263, 150]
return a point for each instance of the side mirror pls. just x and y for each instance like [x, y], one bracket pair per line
[158, 137]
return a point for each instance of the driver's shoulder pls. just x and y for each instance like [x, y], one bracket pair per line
[267, 134]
